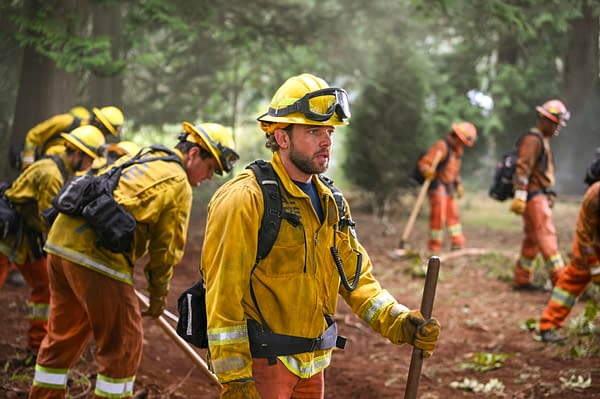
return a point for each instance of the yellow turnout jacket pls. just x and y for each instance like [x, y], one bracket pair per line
[296, 285]
[32, 193]
[159, 197]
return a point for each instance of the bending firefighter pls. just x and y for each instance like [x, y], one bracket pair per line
[271, 328]
[445, 184]
[91, 277]
[45, 138]
[31, 194]
[533, 198]
[584, 265]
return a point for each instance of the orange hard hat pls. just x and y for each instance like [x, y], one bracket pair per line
[466, 132]
[555, 111]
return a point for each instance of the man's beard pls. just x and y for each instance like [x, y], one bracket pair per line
[306, 164]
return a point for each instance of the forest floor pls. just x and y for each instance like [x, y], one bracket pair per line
[483, 322]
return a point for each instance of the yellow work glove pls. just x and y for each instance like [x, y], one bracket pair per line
[460, 190]
[156, 307]
[239, 390]
[519, 202]
[429, 174]
[420, 333]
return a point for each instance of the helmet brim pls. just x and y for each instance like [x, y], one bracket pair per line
[79, 145]
[203, 142]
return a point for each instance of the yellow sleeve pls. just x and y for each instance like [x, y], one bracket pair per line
[38, 135]
[228, 254]
[168, 234]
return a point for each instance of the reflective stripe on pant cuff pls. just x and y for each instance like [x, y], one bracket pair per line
[595, 271]
[50, 378]
[107, 387]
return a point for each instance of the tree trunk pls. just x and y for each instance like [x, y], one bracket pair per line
[108, 21]
[582, 97]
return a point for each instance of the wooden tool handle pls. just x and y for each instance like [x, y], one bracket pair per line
[416, 361]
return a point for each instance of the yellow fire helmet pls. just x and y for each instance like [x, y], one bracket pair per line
[112, 118]
[86, 138]
[215, 138]
[306, 99]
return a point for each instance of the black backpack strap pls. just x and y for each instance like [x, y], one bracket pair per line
[339, 201]
[271, 220]
[61, 166]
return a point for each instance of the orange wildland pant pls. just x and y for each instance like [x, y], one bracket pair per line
[443, 211]
[540, 236]
[571, 283]
[35, 274]
[85, 303]
[277, 382]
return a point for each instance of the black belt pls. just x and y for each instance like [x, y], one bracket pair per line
[267, 344]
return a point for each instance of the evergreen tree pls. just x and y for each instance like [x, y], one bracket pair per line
[387, 129]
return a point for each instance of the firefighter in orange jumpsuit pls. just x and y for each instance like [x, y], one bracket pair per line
[92, 288]
[533, 199]
[31, 194]
[445, 184]
[584, 265]
[45, 137]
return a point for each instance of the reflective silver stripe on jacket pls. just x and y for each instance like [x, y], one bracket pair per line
[228, 335]
[83, 260]
[306, 369]
[377, 305]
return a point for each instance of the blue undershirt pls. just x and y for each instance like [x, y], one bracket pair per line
[310, 190]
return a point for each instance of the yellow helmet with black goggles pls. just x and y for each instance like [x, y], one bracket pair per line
[318, 105]
[216, 139]
[306, 99]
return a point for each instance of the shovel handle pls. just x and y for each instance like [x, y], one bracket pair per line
[416, 361]
[418, 203]
[183, 345]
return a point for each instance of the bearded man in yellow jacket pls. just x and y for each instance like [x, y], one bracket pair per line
[271, 329]
[31, 194]
[92, 287]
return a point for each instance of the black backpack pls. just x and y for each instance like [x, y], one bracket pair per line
[91, 197]
[9, 217]
[191, 304]
[502, 184]
[418, 177]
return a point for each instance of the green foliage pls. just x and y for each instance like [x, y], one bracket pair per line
[59, 33]
[485, 361]
[582, 330]
[386, 130]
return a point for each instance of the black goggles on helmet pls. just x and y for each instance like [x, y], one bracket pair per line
[227, 156]
[319, 105]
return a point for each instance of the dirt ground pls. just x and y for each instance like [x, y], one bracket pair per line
[478, 313]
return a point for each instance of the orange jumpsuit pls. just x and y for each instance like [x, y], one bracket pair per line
[443, 210]
[576, 276]
[535, 175]
[92, 288]
[32, 193]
